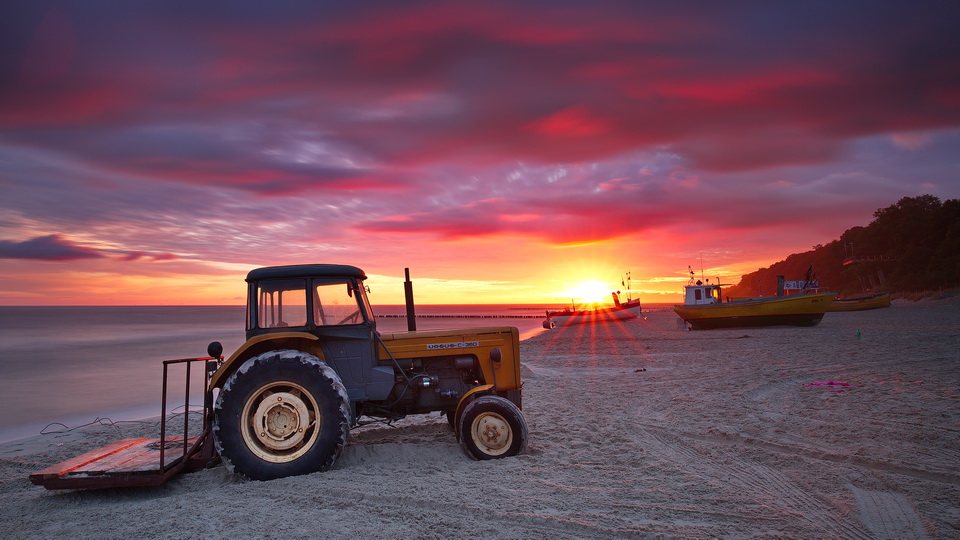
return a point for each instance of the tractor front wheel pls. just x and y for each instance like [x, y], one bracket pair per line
[282, 413]
[492, 427]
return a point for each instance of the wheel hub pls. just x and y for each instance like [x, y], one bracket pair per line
[280, 421]
[493, 433]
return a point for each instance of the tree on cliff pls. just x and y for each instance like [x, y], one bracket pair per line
[910, 246]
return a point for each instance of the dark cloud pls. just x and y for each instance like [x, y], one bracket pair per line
[46, 248]
[431, 81]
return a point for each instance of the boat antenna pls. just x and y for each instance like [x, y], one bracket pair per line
[701, 265]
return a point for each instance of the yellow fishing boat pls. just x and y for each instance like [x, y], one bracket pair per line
[860, 303]
[704, 308]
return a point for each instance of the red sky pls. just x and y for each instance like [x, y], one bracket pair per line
[153, 152]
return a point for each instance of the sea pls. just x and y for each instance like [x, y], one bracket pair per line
[66, 367]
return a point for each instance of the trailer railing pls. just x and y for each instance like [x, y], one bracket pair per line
[195, 452]
[144, 461]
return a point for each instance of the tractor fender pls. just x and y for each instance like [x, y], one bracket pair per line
[467, 398]
[302, 341]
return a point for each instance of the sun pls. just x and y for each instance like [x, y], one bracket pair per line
[590, 292]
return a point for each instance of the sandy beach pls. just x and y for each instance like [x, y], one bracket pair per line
[847, 430]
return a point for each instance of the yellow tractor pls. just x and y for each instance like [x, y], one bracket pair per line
[312, 368]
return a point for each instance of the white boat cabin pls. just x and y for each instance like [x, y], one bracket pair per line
[699, 293]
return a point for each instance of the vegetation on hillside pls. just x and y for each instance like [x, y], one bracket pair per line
[913, 245]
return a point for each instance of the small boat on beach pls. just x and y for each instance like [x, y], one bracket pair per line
[860, 302]
[704, 308]
[619, 311]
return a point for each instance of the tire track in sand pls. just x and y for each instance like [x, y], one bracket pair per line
[888, 515]
[766, 489]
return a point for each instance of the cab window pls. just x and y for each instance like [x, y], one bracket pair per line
[336, 303]
[282, 303]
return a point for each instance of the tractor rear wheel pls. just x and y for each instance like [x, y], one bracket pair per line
[492, 427]
[282, 413]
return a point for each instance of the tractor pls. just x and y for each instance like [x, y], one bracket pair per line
[312, 368]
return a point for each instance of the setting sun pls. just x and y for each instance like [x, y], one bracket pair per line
[590, 292]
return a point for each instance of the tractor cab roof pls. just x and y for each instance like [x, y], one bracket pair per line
[306, 270]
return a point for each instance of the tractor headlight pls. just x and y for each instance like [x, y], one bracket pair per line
[426, 381]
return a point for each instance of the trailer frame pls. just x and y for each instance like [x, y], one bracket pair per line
[143, 461]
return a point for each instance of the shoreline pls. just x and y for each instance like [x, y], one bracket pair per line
[146, 412]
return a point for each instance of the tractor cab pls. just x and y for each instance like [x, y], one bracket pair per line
[315, 298]
[322, 309]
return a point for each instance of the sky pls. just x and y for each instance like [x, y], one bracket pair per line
[153, 152]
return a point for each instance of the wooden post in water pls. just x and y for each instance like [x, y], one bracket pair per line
[408, 296]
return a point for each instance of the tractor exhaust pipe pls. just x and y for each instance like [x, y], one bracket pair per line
[408, 296]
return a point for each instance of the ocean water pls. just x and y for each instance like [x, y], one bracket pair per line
[64, 367]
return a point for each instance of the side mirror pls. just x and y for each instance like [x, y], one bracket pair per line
[215, 349]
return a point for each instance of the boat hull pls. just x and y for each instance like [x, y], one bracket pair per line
[630, 310]
[792, 310]
[875, 301]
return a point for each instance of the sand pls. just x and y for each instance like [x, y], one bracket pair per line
[645, 430]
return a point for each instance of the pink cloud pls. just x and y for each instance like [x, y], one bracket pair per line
[140, 255]
[134, 256]
[572, 122]
[165, 257]
[911, 141]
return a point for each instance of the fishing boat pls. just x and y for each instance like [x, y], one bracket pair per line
[704, 308]
[619, 311]
[860, 302]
